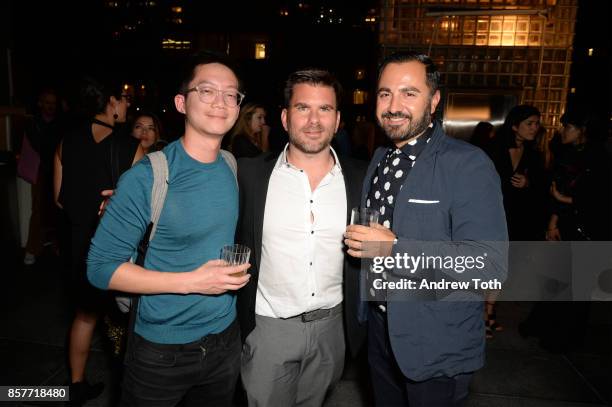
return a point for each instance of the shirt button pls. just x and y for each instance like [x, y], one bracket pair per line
[311, 201]
[312, 232]
[311, 263]
[313, 294]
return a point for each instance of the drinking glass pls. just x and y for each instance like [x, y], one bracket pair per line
[364, 216]
[235, 255]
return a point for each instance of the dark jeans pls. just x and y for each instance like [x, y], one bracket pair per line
[201, 373]
[392, 388]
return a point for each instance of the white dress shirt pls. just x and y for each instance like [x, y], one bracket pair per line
[302, 242]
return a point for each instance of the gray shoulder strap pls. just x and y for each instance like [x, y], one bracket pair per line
[160, 186]
[231, 161]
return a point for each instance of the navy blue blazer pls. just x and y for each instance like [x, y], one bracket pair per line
[451, 196]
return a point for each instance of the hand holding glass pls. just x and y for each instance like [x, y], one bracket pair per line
[235, 255]
[364, 216]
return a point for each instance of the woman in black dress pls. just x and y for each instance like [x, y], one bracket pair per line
[90, 160]
[521, 171]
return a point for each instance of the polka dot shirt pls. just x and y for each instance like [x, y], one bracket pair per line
[390, 175]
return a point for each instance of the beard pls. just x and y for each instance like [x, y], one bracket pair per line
[310, 146]
[412, 129]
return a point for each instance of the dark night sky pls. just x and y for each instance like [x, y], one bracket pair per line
[53, 41]
[59, 40]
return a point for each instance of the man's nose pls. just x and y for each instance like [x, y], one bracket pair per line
[394, 104]
[218, 100]
[313, 117]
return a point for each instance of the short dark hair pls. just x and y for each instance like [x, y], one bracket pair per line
[95, 93]
[188, 67]
[312, 76]
[432, 75]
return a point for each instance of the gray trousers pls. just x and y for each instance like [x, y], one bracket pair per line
[287, 362]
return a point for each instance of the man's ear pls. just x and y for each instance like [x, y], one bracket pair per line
[337, 121]
[179, 103]
[435, 99]
[284, 119]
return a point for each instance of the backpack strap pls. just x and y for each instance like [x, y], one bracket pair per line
[231, 162]
[159, 163]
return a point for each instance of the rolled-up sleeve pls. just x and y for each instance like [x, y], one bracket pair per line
[122, 227]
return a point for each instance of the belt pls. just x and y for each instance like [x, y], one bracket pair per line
[317, 314]
[207, 340]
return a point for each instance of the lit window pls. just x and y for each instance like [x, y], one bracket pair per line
[590, 52]
[177, 10]
[359, 97]
[260, 50]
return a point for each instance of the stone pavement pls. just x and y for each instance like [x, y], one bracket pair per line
[35, 311]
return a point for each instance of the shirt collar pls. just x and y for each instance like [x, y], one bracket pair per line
[416, 146]
[282, 161]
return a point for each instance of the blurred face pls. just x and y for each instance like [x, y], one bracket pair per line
[527, 129]
[48, 105]
[571, 134]
[312, 117]
[209, 119]
[258, 120]
[145, 131]
[404, 103]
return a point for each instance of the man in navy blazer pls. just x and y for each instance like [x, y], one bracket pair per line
[439, 195]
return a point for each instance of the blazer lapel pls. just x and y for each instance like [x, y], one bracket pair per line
[262, 181]
[351, 183]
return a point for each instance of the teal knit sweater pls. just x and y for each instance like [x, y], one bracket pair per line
[199, 217]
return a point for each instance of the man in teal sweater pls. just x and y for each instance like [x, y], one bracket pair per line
[186, 345]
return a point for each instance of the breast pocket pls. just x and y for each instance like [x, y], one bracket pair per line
[426, 219]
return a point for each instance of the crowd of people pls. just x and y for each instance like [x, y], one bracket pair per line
[285, 326]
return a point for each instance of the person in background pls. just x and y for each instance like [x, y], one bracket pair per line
[43, 135]
[580, 204]
[147, 128]
[249, 138]
[580, 189]
[89, 160]
[521, 170]
[482, 135]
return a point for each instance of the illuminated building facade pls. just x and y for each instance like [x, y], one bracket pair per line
[518, 51]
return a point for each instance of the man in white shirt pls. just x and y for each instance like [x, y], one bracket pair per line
[294, 209]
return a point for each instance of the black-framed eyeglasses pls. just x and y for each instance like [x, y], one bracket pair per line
[208, 94]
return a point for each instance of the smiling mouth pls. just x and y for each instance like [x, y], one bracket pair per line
[394, 121]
